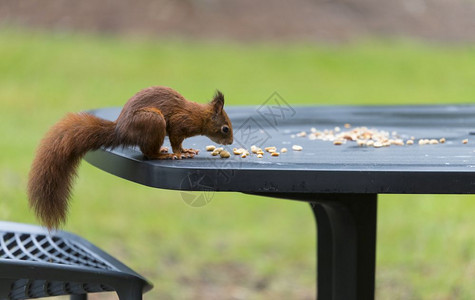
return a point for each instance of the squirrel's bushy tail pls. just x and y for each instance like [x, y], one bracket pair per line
[58, 155]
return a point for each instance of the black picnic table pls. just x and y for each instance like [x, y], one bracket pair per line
[341, 182]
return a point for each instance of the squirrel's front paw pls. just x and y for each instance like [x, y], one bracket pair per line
[165, 156]
[190, 151]
[186, 155]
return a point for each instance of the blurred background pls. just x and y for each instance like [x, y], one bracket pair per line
[58, 56]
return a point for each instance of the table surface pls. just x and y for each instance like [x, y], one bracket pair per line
[320, 167]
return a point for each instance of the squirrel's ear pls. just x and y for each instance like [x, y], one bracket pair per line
[218, 102]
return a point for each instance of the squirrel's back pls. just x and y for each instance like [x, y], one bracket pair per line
[165, 99]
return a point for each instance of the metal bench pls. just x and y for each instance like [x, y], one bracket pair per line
[35, 263]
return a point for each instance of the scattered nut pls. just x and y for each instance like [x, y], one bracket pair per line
[433, 141]
[465, 141]
[244, 155]
[275, 154]
[378, 144]
[410, 142]
[338, 142]
[398, 142]
[215, 153]
[302, 134]
[347, 125]
[210, 148]
[423, 142]
[259, 155]
[270, 148]
[238, 151]
[224, 154]
[361, 143]
[297, 148]
[442, 140]
[283, 150]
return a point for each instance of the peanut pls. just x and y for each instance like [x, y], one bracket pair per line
[210, 148]
[297, 148]
[224, 154]
[337, 142]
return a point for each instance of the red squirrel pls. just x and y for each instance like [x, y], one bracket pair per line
[144, 121]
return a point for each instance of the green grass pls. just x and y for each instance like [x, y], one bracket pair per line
[238, 245]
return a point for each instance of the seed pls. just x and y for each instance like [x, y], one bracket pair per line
[361, 143]
[338, 142]
[302, 134]
[275, 154]
[224, 154]
[465, 141]
[442, 140]
[270, 148]
[260, 152]
[399, 142]
[259, 155]
[423, 142]
[283, 150]
[378, 144]
[244, 155]
[219, 149]
[297, 148]
[410, 142]
[215, 153]
[433, 141]
[210, 148]
[370, 143]
[347, 125]
[237, 151]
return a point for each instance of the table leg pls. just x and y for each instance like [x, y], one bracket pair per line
[346, 245]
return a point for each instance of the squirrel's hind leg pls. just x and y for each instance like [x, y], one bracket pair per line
[146, 128]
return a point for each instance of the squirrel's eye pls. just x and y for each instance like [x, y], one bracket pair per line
[225, 129]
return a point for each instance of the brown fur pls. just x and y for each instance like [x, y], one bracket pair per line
[145, 120]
